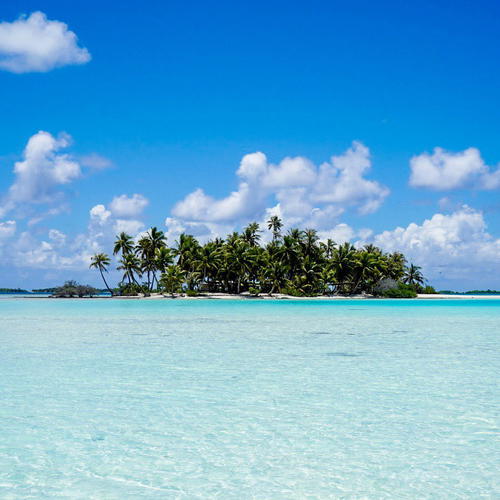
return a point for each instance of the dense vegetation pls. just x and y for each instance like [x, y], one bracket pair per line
[471, 292]
[74, 289]
[13, 290]
[295, 263]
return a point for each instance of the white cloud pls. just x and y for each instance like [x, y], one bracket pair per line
[95, 161]
[340, 233]
[7, 229]
[36, 44]
[54, 253]
[99, 214]
[342, 181]
[42, 170]
[57, 237]
[445, 170]
[305, 193]
[129, 226]
[128, 206]
[449, 247]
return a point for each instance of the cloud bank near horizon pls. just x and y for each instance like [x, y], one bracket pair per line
[454, 245]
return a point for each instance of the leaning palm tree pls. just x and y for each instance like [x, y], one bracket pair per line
[131, 266]
[124, 244]
[101, 261]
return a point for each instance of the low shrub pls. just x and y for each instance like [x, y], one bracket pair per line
[130, 289]
[402, 291]
[74, 289]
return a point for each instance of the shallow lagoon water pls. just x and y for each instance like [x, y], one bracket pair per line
[109, 399]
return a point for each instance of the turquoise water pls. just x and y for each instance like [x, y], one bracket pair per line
[287, 400]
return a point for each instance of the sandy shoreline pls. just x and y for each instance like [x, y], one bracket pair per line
[280, 296]
[276, 296]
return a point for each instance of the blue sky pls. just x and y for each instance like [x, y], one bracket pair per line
[169, 97]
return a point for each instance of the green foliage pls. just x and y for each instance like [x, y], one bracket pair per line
[428, 289]
[291, 290]
[74, 289]
[172, 280]
[192, 293]
[295, 263]
[402, 291]
[129, 289]
[13, 290]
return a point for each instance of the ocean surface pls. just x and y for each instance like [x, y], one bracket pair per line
[370, 399]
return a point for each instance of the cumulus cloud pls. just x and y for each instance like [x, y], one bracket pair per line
[129, 226]
[305, 193]
[7, 229]
[122, 214]
[37, 44]
[448, 247]
[128, 206]
[445, 170]
[41, 172]
[99, 214]
[54, 252]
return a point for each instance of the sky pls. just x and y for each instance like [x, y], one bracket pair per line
[371, 122]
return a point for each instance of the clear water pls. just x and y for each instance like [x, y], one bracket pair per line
[106, 399]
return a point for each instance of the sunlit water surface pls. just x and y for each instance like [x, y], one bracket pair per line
[110, 399]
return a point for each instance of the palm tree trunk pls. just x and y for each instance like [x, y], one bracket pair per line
[105, 282]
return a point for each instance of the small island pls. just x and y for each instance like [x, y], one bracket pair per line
[295, 264]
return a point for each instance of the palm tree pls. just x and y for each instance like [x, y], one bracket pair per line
[328, 248]
[365, 269]
[187, 248]
[124, 244]
[342, 263]
[172, 280]
[144, 251]
[275, 275]
[251, 234]
[208, 261]
[163, 259]
[370, 248]
[101, 261]
[275, 224]
[290, 254]
[396, 264]
[297, 261]
[131, 266]
[240, 259]
[413, 276]
[309, 242]
[147, 248]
